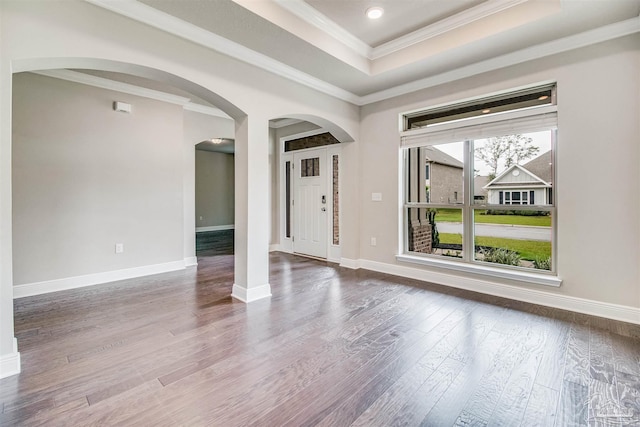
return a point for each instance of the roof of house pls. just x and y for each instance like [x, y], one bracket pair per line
[436, 156]
[541, 167]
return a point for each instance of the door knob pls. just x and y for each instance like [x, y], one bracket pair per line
[323, 209]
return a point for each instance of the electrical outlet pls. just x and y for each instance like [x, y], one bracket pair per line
[373, 241]
[200, 218]
[119, 248]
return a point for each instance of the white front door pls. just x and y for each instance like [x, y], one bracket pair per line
[310, 203]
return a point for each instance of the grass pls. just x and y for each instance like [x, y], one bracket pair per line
[528, 249]
[455, 215]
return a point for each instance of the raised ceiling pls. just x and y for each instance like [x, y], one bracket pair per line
[331, 46]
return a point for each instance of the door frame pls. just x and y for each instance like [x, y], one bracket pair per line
[287, 244]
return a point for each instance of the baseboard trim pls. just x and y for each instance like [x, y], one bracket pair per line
[275, 248]
[534, 296]
[353, 264]
[190, 261]
[31, 289]
[251, 294]
[10, 363]
[215, 228]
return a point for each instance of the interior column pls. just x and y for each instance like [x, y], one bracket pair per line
[252, 210]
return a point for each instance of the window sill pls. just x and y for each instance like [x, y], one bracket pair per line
[502, 273]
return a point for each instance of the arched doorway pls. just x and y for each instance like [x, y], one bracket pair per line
[309, 149]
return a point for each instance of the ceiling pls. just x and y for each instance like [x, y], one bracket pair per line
[331, 45]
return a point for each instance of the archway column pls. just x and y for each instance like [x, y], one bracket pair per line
[252, 210]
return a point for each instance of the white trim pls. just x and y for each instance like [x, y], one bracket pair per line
[215, 228]
[10, 363]
[283, 123]
[172, 25]
[353, 264]
[251, 294]
[576, 41]
[191, 261]
[550, 299]
[458, 20]
[275, 247]
[205, 109]
[314, 17]
[100, 82]
[484, 270]
[30, 289]
[165, 22]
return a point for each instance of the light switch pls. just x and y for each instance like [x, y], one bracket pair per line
[376, 197]
[119, 248]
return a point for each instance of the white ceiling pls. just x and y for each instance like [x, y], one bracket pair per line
[401, 16]
[330, 44]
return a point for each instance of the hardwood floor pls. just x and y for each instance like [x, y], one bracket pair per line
[332, 347]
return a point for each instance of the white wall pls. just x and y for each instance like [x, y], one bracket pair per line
[86, 177]
[214, 189]
[598, 115]
[74, 34]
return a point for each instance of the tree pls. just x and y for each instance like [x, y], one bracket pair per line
[507, 150]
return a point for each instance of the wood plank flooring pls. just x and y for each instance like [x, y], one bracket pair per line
[332, 347]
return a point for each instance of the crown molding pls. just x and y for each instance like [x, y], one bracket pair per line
[445, 25]
[170, 24]
[312, 16]
[283, 123]
[587, 38]
[102, 83]
[205, 109]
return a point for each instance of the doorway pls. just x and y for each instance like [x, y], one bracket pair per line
[310, 219]
[310, 203]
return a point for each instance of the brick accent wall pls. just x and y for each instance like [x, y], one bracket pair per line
[310, 142]
[336, 200]
[420, 237]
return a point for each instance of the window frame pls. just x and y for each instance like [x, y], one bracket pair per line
[468, 262]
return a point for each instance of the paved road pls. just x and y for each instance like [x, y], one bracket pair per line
[499, 230]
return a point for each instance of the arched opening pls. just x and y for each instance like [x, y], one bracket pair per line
[241, 124]
[307, 151]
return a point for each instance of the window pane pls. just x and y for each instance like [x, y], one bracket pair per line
[516, 238]
[435, 174]
[310, 167]
[336, 200]
[517, 166]
[435, 231]
[287, 196]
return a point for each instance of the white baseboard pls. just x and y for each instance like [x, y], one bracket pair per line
[215, 228]
[10, 363]
[353, 264]
[30, 289]
[250, 294]
[534, 296]
[275, 248]
[190, 261]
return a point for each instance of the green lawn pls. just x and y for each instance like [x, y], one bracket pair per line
[455, 215]
[528, 249]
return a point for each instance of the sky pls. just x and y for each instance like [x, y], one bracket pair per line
[542, 140]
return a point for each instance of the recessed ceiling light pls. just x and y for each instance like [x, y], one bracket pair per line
[217, 140]
[543, 97]
[375, 12]
[486, 111]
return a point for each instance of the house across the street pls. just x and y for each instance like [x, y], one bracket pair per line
[528, 184]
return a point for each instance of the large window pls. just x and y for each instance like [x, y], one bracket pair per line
[478, 182]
